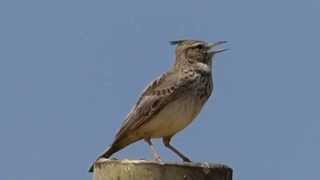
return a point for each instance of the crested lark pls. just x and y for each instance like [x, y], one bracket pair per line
[171, 102]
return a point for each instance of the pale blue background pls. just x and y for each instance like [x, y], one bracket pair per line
[70, 70]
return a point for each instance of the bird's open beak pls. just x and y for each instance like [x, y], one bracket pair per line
[213, 51]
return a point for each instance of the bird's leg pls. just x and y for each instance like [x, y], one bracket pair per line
[153, 150]
[166, 142]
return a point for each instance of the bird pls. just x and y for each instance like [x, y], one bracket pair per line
[172, 101]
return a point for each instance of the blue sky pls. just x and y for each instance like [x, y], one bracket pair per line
[71, 70]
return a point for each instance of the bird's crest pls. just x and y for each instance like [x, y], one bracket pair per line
[176, 42]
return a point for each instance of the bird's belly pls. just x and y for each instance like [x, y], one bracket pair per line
[173, 118]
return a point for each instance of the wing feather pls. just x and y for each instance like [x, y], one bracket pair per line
[157, 94]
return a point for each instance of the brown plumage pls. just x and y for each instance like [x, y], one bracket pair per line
[172, 101]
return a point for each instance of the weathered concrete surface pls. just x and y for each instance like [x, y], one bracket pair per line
[106, 169]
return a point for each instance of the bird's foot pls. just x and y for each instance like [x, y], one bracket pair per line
[158, 159]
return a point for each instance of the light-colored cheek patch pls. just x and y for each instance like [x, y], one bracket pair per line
[204, 67]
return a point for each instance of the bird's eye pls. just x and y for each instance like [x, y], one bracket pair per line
[200, 46]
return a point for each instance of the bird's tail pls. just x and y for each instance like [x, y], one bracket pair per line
[117, 145]
[106, 154]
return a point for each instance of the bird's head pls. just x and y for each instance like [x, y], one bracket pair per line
[195, 51]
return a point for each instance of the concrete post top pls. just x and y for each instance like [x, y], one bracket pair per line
[142, 169]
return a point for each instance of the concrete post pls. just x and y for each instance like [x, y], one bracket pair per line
[106, 169]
